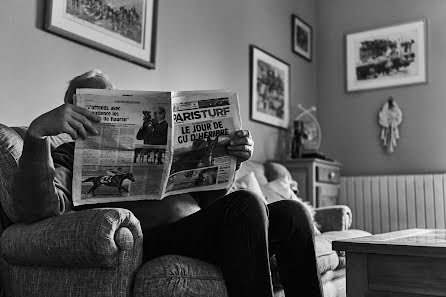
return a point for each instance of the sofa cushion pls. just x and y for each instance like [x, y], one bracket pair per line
[332, 275]
[248, 182]
[275, 170]
[11, 145]
[280, 189]
[351, 233]
[253, 166]
[326, 258]
[174, 275]
[338, 235]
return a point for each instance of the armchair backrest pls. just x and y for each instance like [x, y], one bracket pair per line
[11, 145]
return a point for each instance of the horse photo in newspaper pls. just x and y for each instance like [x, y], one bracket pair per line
[200, 154]
[114, 180]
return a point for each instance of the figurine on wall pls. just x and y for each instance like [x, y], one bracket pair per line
[390, 117]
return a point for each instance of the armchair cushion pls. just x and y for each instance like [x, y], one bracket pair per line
[174, 275]
[333, 218]
[88, 238]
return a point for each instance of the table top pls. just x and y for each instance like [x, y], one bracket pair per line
[415, 242]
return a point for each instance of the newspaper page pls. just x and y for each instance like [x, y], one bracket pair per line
[203, 122]
[129, 159]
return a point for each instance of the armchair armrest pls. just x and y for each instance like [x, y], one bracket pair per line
[333, 218]
[93, 237]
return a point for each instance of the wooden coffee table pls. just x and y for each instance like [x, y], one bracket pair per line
[409, 263]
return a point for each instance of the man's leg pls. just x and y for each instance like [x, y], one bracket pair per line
[292, 241]
[231, 233]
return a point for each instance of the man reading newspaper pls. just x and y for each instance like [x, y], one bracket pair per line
[235, 231]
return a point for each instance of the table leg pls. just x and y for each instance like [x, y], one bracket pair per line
[357, 278]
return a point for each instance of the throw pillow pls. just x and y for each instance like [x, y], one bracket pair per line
[281, 189]
[249, 182]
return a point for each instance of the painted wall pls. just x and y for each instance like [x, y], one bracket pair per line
[349, 120]
[202, 44]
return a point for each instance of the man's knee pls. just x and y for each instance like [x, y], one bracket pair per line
[247, 204]
[292, 212]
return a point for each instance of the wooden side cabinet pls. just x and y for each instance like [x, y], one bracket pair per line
[318, 180]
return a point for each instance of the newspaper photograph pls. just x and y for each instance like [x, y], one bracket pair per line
[202, 126]
[154, 144]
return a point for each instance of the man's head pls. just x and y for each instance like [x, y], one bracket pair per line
[159, 113]
[93, 79]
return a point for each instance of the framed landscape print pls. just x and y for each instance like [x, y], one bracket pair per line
[386, 57]
[126, 29]
[302, 38]
[270, 82]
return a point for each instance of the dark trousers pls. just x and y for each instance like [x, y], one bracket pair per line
[239, 233]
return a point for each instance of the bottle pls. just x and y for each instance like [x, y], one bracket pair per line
[296, 143]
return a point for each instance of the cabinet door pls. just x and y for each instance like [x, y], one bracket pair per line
[327, 195]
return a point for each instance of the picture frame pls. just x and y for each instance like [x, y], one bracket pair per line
[389, 56]
[270, 88]
[302, 38]
[127, 31]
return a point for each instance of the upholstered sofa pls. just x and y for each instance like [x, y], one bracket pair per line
[98, 252]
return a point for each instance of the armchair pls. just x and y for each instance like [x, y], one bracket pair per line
[98, 252]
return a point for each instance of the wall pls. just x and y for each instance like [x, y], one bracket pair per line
[202, 44]
[349, 120]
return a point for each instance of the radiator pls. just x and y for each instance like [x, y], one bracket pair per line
[395, 202]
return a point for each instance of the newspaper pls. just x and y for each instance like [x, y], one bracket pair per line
[154, 144]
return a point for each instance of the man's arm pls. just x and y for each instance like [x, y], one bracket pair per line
[241, 146]
[42, 188]
[142, 132]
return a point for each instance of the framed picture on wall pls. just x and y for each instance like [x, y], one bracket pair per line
[126, 29]
[386, 57]
[302, 38]
[270, 83]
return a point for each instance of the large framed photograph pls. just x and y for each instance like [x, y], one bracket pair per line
[386, 57]
[270, 83]
[302, 38]
[126, 29]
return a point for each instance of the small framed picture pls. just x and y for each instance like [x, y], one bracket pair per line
[126, 29]
[302, 39]
[270, 83]
[387, 56]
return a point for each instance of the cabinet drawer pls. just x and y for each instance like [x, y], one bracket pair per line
[328, 174]
[327, 195]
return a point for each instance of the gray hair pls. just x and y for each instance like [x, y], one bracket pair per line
[93, 79]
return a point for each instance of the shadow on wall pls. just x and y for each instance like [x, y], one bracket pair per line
[40, 14]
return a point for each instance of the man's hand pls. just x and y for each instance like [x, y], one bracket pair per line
[241, 145]
[67, 118]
